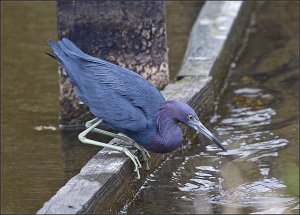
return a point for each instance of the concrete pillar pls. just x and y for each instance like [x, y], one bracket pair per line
[129, 33]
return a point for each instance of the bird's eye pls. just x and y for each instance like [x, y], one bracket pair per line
[190, 117]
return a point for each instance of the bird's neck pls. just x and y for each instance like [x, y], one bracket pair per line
[168, 128]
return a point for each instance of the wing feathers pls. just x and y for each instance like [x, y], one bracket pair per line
[124, 99]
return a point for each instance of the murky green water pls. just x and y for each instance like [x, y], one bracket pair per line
[36, 158]
[258, 120]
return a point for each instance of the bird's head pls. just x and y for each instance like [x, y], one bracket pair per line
[183, 113]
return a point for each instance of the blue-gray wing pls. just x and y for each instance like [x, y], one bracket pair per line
[122, 98]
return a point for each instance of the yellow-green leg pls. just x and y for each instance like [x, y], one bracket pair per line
[125, 140]
[82, 137]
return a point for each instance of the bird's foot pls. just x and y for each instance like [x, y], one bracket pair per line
[146, 151]
[116, 148]
[147, 165]
[138, 161]
[145, 154]
[135, 160]
[82, 137]
[132, 143]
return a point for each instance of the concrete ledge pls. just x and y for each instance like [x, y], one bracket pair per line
[107, 181]
[212, 32]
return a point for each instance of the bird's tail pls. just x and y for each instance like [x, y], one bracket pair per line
[62, 53]
[59, 53]
[72, 48]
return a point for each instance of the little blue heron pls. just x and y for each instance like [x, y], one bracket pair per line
[126, 102]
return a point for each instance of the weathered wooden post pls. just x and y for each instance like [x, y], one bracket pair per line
[129, 33]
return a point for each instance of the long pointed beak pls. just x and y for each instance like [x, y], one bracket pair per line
[198, 126]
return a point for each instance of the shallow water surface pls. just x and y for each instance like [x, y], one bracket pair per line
[258, 121]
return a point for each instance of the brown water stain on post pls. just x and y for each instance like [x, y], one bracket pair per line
[131, 34]
[107, 182]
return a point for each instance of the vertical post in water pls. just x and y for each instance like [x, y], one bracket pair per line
[131, 34]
